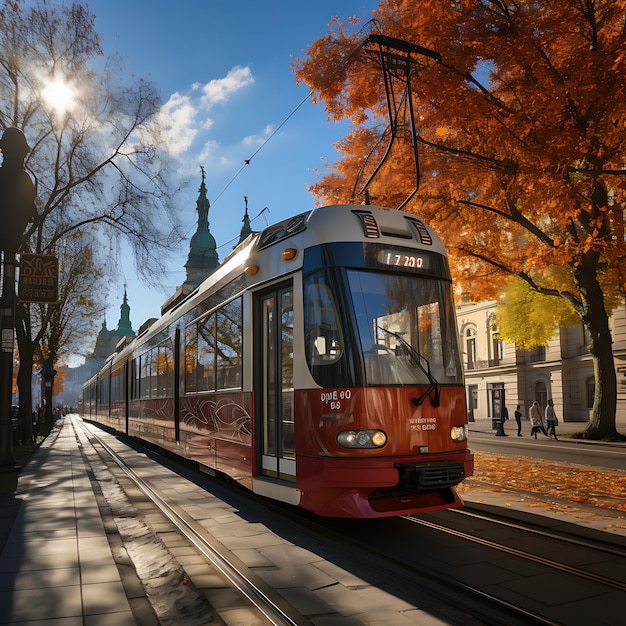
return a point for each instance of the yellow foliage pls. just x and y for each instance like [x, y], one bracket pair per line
[528, 318]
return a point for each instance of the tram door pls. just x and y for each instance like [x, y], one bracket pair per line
[274, 382]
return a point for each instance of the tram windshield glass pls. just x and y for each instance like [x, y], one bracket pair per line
[407, 329]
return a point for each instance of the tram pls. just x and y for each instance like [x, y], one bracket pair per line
[318, 366]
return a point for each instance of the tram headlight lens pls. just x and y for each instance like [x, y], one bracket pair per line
[459, 433]
[362, 439]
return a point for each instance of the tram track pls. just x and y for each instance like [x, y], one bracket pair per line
[529, 556]
[608, 544]
[467, 605]
[519, 567]
[260, 595]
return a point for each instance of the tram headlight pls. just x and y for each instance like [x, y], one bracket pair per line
[362, 439]
[459, 433]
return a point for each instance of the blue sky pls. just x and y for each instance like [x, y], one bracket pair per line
[224, 71]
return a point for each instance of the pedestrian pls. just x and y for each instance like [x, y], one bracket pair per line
[518, 419]
[536, 420]
[551, 419]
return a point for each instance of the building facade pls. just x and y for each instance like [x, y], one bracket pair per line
[562, 370]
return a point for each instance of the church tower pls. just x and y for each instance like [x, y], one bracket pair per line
[202, 259]
[124, 327]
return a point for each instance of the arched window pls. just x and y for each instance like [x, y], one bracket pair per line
[541, 393]
[470, 345]
[590, 386]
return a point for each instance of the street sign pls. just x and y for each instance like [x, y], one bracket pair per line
[39, 278]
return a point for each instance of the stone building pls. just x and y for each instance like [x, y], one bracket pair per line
[203, 258]
[562, 370]
[106, 342]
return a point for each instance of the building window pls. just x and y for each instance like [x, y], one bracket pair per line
[470, 345]
[537, 355]
[541, 393]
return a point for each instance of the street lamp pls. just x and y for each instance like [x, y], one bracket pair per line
[17, 208]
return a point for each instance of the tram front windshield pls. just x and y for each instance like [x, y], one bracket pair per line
[405, 325]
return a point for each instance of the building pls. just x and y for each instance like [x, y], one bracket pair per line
[203, 258]
[106, 342]
[562, 370]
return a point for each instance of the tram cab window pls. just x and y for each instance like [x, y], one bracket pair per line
[323, 338]
[406, 327]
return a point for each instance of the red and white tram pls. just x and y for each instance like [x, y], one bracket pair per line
[318, 365]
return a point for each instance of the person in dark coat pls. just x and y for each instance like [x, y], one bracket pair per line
[518, 419]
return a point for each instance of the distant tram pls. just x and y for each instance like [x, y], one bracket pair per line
[318, 366]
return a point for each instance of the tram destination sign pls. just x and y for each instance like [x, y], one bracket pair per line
[39, 278]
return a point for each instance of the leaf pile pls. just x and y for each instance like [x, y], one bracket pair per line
[604, 488]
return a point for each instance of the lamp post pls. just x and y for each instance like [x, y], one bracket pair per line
[17, 208]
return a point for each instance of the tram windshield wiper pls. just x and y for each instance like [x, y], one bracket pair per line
[416, 359]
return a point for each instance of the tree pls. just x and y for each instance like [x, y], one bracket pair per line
[529, 319]
[96, 154]
[63, 328]
[522, 136]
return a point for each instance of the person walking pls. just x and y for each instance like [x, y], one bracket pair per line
[536, 420]
[551, 419]
[518, 419]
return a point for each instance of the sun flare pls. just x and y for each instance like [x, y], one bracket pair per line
[59, 94]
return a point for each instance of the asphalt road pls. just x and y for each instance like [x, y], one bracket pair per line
[596, 454]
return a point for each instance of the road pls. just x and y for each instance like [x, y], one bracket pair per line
[596, 454]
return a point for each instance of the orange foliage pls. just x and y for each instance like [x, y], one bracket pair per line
[522, 130]
[59, 380]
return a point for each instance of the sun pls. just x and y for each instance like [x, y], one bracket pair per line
[59, 94]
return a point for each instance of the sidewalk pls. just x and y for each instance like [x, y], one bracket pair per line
[484, 425]
[55, 561]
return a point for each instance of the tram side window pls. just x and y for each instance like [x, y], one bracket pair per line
[144, 383]
[206, 354]
[213, 350]
[116, 386]
[165, 369]
[135, 372]
[191, 357]
[323, 340]
[229, 334]
[103, 390]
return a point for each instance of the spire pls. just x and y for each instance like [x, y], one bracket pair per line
[246, 229]
[124, 327]
[202, 259]
[202, 204]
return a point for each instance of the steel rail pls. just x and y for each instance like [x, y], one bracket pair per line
[562, 567]
[271, 609]
[542, 532]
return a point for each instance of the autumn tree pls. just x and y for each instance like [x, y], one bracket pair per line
[522, 139]
[97, 158]
[66, 327]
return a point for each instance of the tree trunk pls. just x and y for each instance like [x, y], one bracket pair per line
[25, 373]
[602, 422]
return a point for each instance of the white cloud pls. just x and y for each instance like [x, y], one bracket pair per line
[252, 140]
[181, 117]
[177, 117]
[219, 90]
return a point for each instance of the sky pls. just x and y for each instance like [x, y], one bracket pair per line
[225, 74]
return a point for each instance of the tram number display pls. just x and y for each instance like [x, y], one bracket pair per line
[402, 259]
